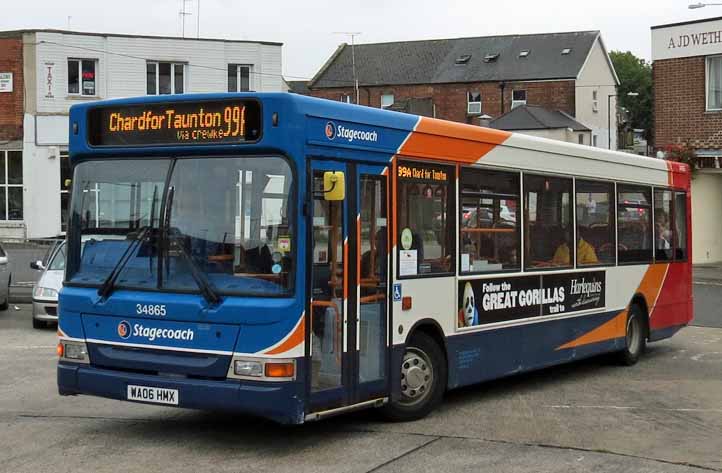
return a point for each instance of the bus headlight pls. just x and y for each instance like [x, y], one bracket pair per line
[248, 368]
[263, 369]
[77, 352]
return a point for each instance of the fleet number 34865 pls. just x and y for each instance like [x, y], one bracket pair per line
[150, 309]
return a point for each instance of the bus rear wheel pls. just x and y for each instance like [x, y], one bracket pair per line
[635, 339]
[423, 380]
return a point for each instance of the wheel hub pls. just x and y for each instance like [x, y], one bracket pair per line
[416, 375]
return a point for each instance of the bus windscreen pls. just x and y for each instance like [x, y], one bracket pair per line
[232, 121]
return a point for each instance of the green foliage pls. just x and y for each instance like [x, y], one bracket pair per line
[635, 75]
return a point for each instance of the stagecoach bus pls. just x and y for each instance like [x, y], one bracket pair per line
[295, 258]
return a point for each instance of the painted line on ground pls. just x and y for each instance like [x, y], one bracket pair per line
[633, 408]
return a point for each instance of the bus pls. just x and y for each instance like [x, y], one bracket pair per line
[295, 258]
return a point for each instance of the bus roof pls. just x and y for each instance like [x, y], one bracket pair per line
[299, 125]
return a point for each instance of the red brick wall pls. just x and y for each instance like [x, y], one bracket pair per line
[450, 99]
[680, 115]
[11, 104]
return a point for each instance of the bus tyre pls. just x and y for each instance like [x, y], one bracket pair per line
[423, 380]
[635, 340]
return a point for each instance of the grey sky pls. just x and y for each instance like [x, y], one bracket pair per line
[307, 27]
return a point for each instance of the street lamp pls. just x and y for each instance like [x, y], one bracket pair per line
[353, 35]
[609, 116]
[694, 6]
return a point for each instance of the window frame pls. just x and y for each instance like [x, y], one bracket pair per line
[708, 60]
[516, 103]
[79, 62]
[672, 223]
[452, 204]
[173, 65]
[381, 100]
[525, 268]
[469, 102]
[6, 186]
[613, 222]
[238, 67]
[519, 221]
[650, 188]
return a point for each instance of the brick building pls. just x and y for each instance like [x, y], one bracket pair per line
[12, 88]
[687, 71]
[464, 79]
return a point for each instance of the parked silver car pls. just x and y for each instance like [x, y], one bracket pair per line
[5, 278]
[46, 289]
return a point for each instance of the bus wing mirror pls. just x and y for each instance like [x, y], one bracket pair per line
[334, 186]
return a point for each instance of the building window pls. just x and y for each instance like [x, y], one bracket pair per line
[489, 225]
[595, 223]
[714, 83]
[634, 224]
[426, 219]
[518, 97]
[66, 175]
[595, 101]
[594, 140]
[387, 100]
[581, 138]
[163, 78]
[473, 103]
[547, 222]
[81, 77]
[11, 185]
[346, 98]
[239, 78]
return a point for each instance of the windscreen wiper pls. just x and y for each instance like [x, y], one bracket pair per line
[106, 289]
[207, 291]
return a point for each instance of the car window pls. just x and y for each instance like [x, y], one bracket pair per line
[2, 252]
[58, 260]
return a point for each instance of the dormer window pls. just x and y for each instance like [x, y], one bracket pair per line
[524, 53]
[491, 57]
[566, 51]
[463, 59]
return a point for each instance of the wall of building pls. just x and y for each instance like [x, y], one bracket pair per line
[450, 100]
[706, 221]
[596, 75]
[11, 103]
[680, 115]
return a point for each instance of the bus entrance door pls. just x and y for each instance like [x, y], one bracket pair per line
[348, 300]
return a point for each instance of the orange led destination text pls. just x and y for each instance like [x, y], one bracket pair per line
[410, 172]
[232, 122]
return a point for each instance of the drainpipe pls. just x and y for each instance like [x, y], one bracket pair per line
[502, 85]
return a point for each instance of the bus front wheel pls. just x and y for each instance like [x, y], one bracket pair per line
[423, 380]
[635, 339]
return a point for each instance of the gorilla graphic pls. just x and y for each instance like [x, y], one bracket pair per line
[468, 315]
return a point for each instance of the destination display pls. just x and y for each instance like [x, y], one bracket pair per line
[177, 123]
[486, 301]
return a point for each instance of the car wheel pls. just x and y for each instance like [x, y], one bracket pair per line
[38, 323]
[423, 380]
[635, 339]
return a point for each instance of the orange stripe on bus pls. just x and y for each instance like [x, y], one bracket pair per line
[293, 340]
[609, 330]
[649, 287]
[449, 141]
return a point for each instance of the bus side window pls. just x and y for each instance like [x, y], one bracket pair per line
[663, 229]
[680, 226]
[426, 219]
[489, 223]
[634, 224]
[595, 223]
[547, 222]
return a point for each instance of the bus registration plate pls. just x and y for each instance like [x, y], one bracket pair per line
[153, 394]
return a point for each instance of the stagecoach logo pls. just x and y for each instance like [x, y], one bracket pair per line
[124, 329]
[330, 130]
[333, 131]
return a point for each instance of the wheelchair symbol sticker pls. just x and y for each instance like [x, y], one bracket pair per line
[397, 292]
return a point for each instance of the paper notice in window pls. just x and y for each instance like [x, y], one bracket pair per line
[465, 262]
[408, 263]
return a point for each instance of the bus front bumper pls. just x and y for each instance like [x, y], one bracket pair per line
[278, 401]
